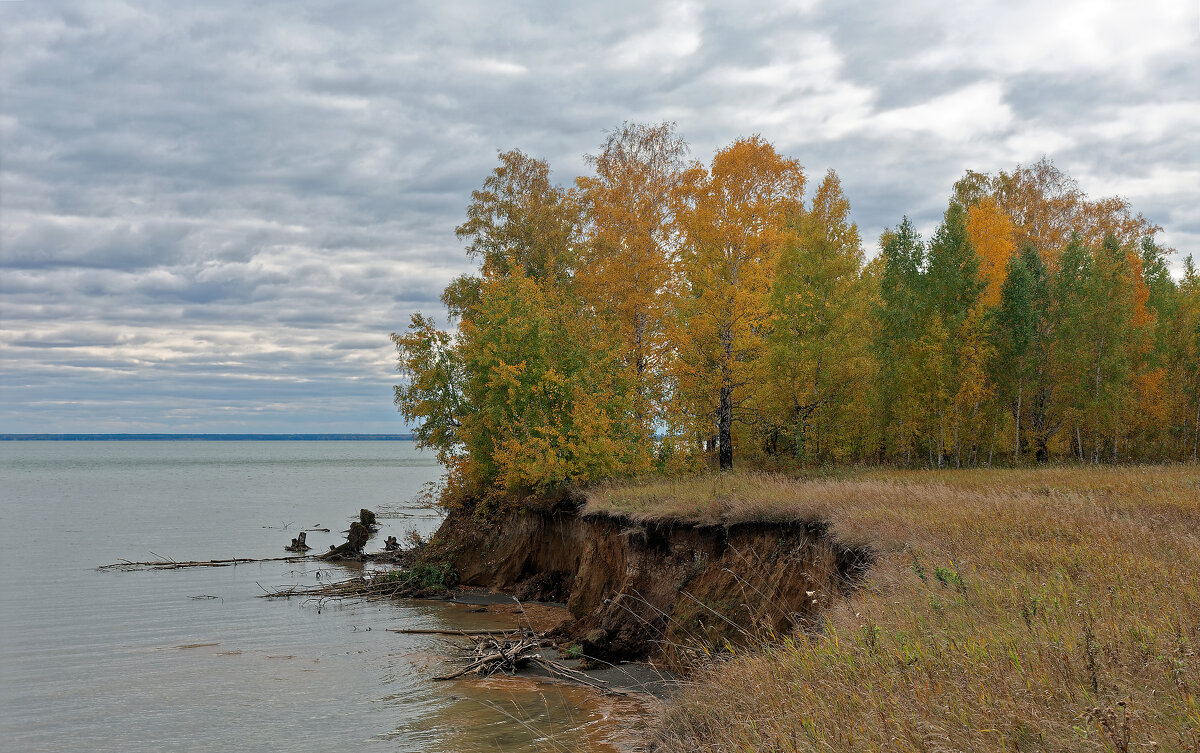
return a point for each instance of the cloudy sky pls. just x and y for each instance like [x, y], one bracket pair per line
[213, 214]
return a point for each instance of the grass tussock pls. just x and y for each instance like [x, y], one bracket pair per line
[1009, 610]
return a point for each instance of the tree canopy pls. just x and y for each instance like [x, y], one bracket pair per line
[661, 314]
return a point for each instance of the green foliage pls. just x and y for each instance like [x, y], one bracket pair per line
[547, 394]
[1019, 333]
[421, 576]
[433, 392]
[948, 576]
[919, 569]
[520, 222]
[897, 345]
[817, 358]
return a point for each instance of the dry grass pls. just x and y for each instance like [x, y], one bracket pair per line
[1042, 609]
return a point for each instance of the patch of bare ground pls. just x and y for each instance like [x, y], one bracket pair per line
[1052, 609]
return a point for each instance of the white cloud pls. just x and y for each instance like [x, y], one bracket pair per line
[675, 36]
[496, 67]
[966, 114]
[1070, 36]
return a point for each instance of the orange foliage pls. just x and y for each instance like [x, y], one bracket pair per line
[1047, 206]
[994, 239]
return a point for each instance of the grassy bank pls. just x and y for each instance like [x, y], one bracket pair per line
[1043, 609]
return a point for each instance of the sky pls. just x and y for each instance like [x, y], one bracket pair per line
[212, 215]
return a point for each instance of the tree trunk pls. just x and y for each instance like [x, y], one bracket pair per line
[298, 544]
[941, 449]
[640, 363]
[1116, 436]
[1017, 433]
[724, 428]
[1196, 434]
[992, 449]
[797, 437]
[1096, 400]
[958, 447]
[957, 443]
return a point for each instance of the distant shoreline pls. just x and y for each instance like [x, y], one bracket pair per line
[204, 437]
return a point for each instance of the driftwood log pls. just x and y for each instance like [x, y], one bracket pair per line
[176, 564]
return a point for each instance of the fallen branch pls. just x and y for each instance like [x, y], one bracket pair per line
[573, 676]
[478, 665]
[175, 565]
[408, 631]
[510, 654]
[505, 655]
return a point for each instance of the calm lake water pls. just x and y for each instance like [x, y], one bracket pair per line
[151, 661]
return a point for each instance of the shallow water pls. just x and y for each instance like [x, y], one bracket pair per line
[192, 659]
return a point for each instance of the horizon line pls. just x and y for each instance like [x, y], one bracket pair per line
[200, 436]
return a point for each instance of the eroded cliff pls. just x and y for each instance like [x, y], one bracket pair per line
[653, 590]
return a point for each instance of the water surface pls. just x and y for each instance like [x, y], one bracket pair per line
[192, 659]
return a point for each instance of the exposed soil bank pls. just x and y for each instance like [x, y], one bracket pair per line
[653, 590]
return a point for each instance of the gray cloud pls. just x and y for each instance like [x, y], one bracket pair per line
[211, 216]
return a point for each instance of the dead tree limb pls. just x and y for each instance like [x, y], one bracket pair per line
[175, 565]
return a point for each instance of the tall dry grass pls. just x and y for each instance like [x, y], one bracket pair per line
[1046, 609]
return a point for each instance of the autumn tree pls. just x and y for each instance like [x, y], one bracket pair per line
[1183, 362]
[1047, 207]
[1103, 333]
[1019, 336]
[1043, 204]
[518, 220]
[713, 303]
[952, 288]
[992, 235]
[1122, 331]
[734, 222]
[817, 327]
[953, 347]
[627, 263]
[433, 393]
[903, 358]
[548, 404]
[525, 394]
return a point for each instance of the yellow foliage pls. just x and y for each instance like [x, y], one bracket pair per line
[734, 222]
[627, 264]
[992, 235]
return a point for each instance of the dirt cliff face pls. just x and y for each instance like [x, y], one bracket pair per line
[656, 590]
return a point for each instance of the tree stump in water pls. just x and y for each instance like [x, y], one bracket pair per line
[298, 544]
[367, 518]
[357, 538]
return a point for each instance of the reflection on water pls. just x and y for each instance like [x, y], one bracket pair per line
[518, 714]
[192, 659]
